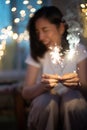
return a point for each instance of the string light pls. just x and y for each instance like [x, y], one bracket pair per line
[32, 10]
[39, 1]
[31, 15]
[2, 48]
[83, 8]
[25, 2]
[16, 20]
[7, 32]
[7, 1]
[22, 13]
[15, 36]
[13, 9]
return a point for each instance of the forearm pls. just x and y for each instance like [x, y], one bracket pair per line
[30, 93]
[82, 73]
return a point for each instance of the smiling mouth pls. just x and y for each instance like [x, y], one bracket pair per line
[49, 45]
[46, 44]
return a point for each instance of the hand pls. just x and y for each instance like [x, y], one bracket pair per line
[50, 80]
[70, 79]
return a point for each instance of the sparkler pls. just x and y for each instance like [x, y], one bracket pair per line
[73, 37]
[56, 55]
[74, 29]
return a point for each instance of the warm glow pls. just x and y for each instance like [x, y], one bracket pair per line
[31, 15]
[7, 32]
[17, 20]
[7, 1]
[9, 27]
[82, 5]
[84, 18]
[29, 6]
[22, 13]
[32, 9]
[13, 9]
[39, 2]
[15, 36]
[25, 2]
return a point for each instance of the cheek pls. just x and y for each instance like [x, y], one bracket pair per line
[54, 36]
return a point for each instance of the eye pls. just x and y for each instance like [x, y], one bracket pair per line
[46, 30]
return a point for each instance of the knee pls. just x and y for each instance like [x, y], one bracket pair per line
[75, 106]
[47, 104]
[53, 108]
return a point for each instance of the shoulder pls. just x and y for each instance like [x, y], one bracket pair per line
[81, 47]
[31, 61]
[82, 52]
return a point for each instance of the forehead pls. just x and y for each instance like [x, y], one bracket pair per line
[42, 22]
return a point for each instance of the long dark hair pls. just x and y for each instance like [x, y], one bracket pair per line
[54, 16]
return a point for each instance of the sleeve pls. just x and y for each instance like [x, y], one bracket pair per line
[31, 61]
[82, 52]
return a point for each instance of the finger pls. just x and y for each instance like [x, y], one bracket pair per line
[52, 85]
[73, 80]
[69, 76]
[70, 84]
[51, 76]
[49, 81]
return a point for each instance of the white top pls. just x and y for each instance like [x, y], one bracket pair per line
[68, 65]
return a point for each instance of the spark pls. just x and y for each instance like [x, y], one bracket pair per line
[71, 54]
[56, 56]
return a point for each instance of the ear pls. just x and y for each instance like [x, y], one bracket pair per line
[62, 28]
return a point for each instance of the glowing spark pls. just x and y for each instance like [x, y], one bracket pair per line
[74, 30]
[56, 55]
[71, 54]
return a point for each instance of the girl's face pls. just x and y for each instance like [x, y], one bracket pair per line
[48, 33]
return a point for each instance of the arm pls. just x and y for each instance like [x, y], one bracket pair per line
[82, 73]
[31, 89]
[72, 80]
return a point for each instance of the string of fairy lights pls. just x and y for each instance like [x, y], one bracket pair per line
[83, 7]
[7, 32]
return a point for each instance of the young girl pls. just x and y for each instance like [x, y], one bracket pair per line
[54, 87]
